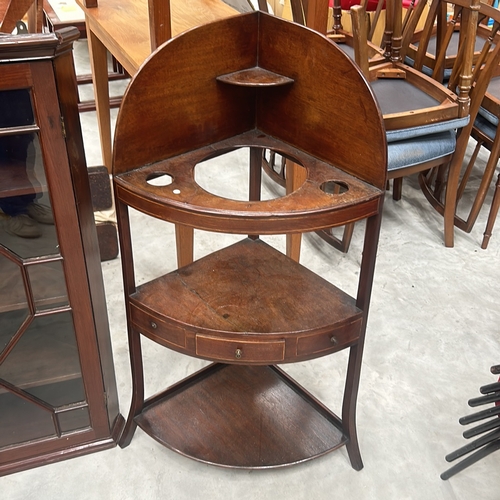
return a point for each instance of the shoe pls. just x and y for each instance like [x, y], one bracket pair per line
[40, 213]
[23, 226]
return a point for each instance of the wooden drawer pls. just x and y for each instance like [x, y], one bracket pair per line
[329, 341]
[244, 351]
[157, 329]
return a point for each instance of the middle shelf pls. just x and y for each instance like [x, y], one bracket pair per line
[247, 303]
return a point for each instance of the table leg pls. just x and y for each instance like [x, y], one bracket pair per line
[184, 237]
[99, 64]
[295, 177]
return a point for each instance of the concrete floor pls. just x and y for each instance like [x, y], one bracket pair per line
[433, 335]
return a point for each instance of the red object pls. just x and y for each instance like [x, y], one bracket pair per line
[370, 6]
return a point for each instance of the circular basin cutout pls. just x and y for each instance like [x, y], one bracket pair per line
[228, 176]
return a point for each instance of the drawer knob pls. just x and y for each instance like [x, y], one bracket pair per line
[334, 340]
[238, 353]
[154, 325]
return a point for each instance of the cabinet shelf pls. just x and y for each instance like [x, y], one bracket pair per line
[15, 182]
[46, 283]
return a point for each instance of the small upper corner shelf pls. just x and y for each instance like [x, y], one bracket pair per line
[255, 77]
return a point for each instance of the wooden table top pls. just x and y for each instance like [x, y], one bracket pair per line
[123, 25]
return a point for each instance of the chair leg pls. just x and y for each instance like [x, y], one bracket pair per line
[276, 172]
[440, 182]
[340, 244]
[448, 208]
[467, 224]
[450, 197]
[468, 170]
[397, 188]
[495, 205]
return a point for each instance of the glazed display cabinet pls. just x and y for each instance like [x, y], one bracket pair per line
[58, 393]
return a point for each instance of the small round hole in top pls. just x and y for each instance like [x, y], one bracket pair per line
[159, 179]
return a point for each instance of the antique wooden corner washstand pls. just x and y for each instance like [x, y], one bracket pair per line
[225, 86]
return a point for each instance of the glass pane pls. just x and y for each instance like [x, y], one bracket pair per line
[27, 223]
[59, 393]
[10, 321]
[17, 110]
[73, 420]
[48, 285]
[22, 420]
[45, 361]
[13, 303]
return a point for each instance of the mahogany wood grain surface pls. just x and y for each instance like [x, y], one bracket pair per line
[199, 112]
[231, 414]
[206, 304]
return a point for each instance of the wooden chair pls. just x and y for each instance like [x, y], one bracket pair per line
[247, 307]
[421, 115]
[345, 39]
[485, 110]
[422, 125]
[421, 48]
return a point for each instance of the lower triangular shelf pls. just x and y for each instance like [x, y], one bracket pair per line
[242, 416]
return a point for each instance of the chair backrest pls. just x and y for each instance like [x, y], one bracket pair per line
[456, 46]
[436, 45]
[375, 6]
[477, 57]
